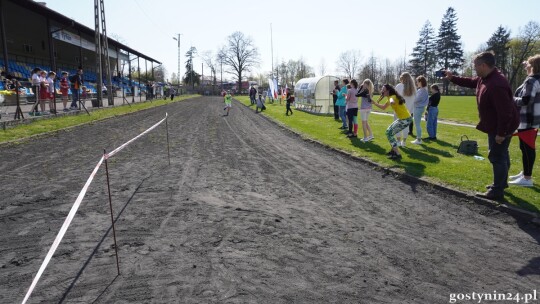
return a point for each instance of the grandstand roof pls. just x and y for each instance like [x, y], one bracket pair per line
[54, 15]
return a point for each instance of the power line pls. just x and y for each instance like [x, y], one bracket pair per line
[158, 28]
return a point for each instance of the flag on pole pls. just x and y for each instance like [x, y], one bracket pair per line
[271, 88]
[275, 88]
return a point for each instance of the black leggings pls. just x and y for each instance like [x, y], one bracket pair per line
[288, 108]
[351, 114]
[528, 155]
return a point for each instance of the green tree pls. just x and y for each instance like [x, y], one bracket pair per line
[191, 77]
[424, 53]
[499, 44]
[449, 48]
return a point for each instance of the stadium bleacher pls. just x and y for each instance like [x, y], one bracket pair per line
[23, 72]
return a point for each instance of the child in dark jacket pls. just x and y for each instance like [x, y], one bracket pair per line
[290, 100]
[432, 112]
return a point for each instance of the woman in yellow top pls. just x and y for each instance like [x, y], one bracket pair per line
[404, 119]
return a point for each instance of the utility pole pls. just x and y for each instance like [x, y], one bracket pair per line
[272, 49]
[179, 58]
[102, 49]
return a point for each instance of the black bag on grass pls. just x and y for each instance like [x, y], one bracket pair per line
[468, 147]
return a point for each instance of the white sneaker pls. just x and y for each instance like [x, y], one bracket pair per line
[521, 181]
[520, 174]
[403, 143]
[370, 138]
[416, 141]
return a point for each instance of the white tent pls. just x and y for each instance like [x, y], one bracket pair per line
[314, 94]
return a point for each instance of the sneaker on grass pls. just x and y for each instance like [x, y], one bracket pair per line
[520, 174]
[521, 181]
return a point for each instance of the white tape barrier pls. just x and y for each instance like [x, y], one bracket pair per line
[113, 152]
[75, 207]
[63, 230]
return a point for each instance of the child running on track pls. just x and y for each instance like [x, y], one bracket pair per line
[228, 102]
[404, 119]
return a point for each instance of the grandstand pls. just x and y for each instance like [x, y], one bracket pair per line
[32, 35]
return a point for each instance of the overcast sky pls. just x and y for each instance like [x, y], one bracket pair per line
[317, 31]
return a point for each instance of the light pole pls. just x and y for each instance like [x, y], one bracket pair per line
[179, 57]
[220, 56]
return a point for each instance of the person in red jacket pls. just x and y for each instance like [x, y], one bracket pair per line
[64, 89]
[498, 114]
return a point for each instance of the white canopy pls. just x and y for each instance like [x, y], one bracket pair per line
[315, 91]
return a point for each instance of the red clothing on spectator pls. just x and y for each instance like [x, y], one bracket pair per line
[44, 91]
[64, 86]
[494, 99]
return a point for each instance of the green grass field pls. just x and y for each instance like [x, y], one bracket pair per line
[460, 109]
[435, 161]
[41, 126]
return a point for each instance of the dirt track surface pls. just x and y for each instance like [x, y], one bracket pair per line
[246, 213]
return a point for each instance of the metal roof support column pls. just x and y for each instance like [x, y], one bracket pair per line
[4, 40]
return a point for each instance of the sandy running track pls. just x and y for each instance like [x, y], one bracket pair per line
[247, 213]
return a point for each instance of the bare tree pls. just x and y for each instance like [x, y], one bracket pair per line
[304, 70]
[349, 62]
[521, 47]
[239, 55]
[210, 61]
[373, 70]
[284, 73]
[388, 72]
[322, 67]
[294, 67]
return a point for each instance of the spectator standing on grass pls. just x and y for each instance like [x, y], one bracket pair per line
[290, 100]
[420, 102]
[76, 84]
[407, 89]
[527, 98]
[433, 112]
[397, 102]
[352, 109]
[228, 102]
[499, 117]
[51, 91]
[172, 91]
[341, 103]
[252, 95]
[36, 87]
[335, 93]
[64, 89]
[366, 95]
